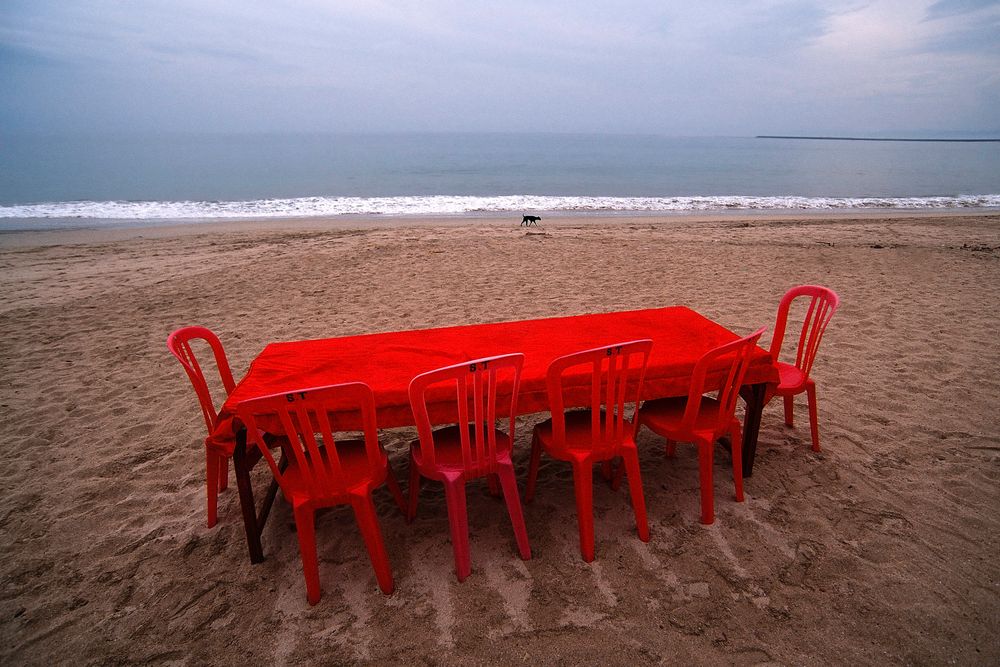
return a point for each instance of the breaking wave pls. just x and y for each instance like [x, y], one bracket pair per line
[444, 205]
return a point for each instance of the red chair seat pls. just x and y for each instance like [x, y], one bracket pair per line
[792, 378]
[358, 475]
[578, 438]
[665, 414]
[448, 450]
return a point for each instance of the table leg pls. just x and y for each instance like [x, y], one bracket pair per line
[242, 464]
[754, 397]
[272, 491]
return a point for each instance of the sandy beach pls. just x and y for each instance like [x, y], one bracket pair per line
[881, 548]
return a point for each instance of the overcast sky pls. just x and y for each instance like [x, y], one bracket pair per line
[705, 67]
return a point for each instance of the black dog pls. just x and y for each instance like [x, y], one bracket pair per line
[529, 219]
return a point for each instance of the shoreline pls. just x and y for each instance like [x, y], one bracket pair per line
[173, 228]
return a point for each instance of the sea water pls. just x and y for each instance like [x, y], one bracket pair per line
[50, 181]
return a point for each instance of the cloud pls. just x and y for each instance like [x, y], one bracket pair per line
[712, 67]
[943, 8]
[965, 26]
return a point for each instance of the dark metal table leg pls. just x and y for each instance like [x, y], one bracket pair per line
[754, 397]
[242, 465]
[272, 491]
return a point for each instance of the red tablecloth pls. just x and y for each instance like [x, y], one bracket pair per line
[388, 361]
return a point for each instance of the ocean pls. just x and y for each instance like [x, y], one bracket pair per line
[85, 181]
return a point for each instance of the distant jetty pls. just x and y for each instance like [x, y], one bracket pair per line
[782, 136]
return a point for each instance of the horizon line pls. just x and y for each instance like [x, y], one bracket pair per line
[826, 138]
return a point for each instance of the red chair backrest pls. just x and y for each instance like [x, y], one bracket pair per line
[731, 362]
[179, 344]
[482, 376]
[823, 303]
[305, 418]
[616, 374]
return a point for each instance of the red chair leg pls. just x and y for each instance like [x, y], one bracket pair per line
[789, 405]
[509, 484]
[212, 485]
[494, 485]
[364, 512]
[813, 414]
[630, 460]
[536, 457]
[736, 452]
[307, 548]
[583, 488]
[414, 491]
[223, 473]
[705, 479]
[454, 494]
[397, 493]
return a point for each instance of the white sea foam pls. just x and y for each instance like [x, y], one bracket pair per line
[454, 205]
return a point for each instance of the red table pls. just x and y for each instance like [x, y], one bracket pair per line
[388, 361]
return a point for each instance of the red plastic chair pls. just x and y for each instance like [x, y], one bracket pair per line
[469, 449]
[795, 378]
[703, 419]
[216, 462]
[611, 378]
[323, 472]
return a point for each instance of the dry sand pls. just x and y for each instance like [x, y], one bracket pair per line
[882, 548]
